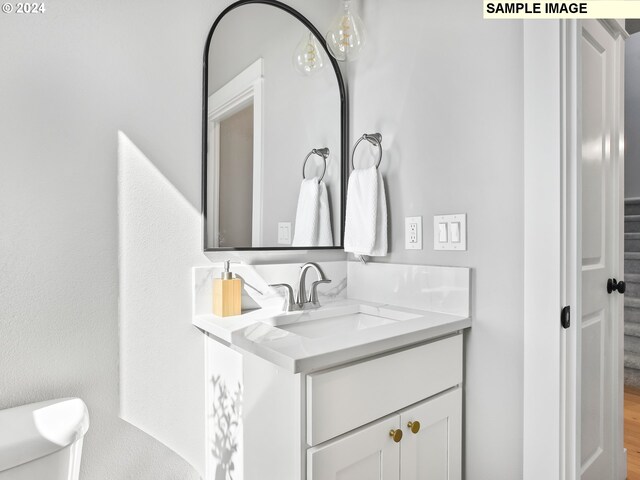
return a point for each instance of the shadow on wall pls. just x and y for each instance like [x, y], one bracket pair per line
[226, 421]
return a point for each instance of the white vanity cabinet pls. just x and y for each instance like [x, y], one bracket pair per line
[433, 452]
[391, 387]
[265, 423]
[366, 453]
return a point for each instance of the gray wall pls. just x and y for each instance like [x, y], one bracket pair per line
[442, 85]
[632, 25]
[632, 117]
[447, 95]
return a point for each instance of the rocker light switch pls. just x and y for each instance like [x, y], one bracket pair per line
[455, 232]
[442, 232]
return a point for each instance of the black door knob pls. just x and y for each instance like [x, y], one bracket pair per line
[612, 285]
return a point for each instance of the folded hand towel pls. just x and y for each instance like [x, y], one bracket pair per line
[313, 218]
[306, 226]
[366, 217]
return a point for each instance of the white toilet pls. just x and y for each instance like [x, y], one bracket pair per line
[43, 441]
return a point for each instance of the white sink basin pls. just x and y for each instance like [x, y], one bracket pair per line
[332, 321]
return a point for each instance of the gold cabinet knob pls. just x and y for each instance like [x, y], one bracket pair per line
[396, 435]
[414, 426]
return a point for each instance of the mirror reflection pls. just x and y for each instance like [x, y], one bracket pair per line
[273, 155]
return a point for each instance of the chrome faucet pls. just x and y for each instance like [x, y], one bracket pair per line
[302, 301]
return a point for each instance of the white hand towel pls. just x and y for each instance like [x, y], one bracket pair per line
[366, 218]
[306, 226]
[325, 237]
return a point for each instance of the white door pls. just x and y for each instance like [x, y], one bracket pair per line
[432, 448]
[598, 345]
[370, 453]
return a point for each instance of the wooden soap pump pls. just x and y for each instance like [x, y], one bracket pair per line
[227, 294]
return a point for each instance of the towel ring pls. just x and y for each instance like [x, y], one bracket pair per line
[374, 139]
[321, 152]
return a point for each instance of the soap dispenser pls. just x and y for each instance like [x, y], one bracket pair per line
[227, 294]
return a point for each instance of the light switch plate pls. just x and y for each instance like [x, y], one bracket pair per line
[456, 228]
[413, 233]
[284, 233]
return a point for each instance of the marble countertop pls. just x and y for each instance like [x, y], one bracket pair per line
[295, 353]
[434, 303]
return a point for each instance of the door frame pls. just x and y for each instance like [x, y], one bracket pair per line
[552, 248]
[244, 89]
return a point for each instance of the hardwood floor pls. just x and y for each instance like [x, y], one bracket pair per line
[632, 431]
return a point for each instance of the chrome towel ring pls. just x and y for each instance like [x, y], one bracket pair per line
[374, 139]
[321, 152]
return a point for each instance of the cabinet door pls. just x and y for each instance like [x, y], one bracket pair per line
[369, 453]
[434, 452]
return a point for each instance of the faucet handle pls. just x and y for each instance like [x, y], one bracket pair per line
[313, 298]
[289, 301]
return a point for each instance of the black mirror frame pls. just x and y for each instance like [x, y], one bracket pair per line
[344, 126]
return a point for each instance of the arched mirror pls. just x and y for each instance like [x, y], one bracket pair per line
[274, 133]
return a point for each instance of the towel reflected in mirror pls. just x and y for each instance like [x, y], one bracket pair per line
[313, 218]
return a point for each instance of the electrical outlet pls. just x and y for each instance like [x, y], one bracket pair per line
[413, 233]
[284, 233]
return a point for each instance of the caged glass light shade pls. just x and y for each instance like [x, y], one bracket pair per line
[307, 58]
[346, 36]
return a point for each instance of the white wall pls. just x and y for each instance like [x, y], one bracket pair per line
[445, 89]
[70, 79]
[632, 117]
[443, 86]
